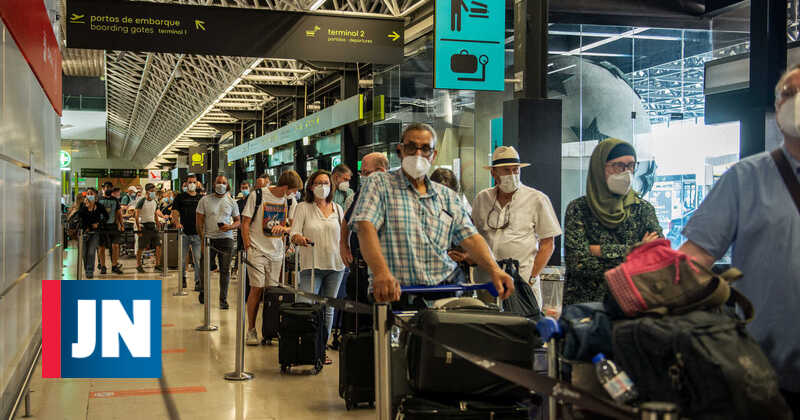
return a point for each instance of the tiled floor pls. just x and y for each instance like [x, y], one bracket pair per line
[194, 365]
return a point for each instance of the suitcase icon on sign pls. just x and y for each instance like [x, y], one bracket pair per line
[466, 63]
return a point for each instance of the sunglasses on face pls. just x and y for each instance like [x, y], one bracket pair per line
[411, 149]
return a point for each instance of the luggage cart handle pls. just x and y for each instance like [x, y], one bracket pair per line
[451, 288]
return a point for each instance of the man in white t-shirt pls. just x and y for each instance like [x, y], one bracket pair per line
[517, 221]
[147, 226]
[265, 221]
[217, 218]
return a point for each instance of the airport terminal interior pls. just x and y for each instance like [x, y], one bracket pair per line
[120, 103]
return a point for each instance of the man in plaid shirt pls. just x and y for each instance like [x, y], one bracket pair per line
[406, 224]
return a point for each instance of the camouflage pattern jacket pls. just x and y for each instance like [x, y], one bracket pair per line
[584, 280]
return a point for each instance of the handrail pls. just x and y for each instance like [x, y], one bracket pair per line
[28, 272]
[451, 288]
[24, 391]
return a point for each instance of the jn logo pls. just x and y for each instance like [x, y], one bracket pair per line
[101, 329]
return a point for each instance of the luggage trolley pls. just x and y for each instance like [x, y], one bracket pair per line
[391, 358]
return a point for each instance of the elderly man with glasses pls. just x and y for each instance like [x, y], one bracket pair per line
[406, 223]
[755, 209]
[517, 221]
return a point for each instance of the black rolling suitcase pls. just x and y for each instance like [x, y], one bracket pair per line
[358, 290]
[434, 371]
[301, 334]
[415, 408]
[357, 369]
[273, 298]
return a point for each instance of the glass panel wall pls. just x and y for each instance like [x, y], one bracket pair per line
[644, 86]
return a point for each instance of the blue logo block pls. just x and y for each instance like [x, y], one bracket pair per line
[470, 45]
[101, 329]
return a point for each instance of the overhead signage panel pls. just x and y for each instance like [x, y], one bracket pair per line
[174, 28]
[94, 172]
[123, 173]
[345, 112]
[197, 160]
[470, 44]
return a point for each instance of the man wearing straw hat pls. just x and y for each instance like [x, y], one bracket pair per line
[517, 221]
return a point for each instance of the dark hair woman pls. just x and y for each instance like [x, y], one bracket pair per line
[319, 220]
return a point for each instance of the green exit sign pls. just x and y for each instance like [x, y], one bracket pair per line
[66, 159]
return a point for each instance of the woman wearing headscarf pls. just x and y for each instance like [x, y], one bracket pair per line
[602, 226]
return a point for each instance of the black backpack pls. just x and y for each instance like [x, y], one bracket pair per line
[522, 302]
[704, 361]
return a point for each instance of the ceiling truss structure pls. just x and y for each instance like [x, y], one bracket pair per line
[159, 103]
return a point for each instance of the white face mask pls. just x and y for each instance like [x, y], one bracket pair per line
[220, 188]
[322, 191]
[788, 117]
[344, 186]
[191, 187]
[620, 183]
[416, 166]
[509, 183]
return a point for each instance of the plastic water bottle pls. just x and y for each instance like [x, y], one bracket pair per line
[615, 381]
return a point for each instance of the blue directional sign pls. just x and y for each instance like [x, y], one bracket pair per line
[470, 44]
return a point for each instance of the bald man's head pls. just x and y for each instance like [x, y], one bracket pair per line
[374, 162]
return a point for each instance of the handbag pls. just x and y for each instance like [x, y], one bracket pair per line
[657, 278]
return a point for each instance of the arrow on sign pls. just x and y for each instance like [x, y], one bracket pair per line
[198, 24]
[394, 36]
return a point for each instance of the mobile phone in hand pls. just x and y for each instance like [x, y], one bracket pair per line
[220, 224]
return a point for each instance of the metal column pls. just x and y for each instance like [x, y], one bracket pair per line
[238, 373]
[164, 259]
[207, 326]
[79, 262]
[181, 266]
[383, 371]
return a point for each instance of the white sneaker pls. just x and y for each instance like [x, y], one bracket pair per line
[252, 337]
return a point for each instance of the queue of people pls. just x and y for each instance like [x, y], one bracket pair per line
[413, 229]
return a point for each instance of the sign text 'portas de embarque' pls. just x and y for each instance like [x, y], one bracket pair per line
[174, 28]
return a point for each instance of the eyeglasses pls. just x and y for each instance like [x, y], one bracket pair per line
[620, 167]
[496, 225]
[411, 149]
[787, 91]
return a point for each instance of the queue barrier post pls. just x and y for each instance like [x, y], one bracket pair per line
[239, 374]
[181, 266]
[164, 259]
[382, 343]
[79, 262]
[207, 326]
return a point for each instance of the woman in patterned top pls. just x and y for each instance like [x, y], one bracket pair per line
[602, 226]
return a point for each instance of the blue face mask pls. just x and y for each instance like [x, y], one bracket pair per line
[245, 193]
[152, 195]
[90, 198]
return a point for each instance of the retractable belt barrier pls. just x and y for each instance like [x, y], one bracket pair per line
[537, 383]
